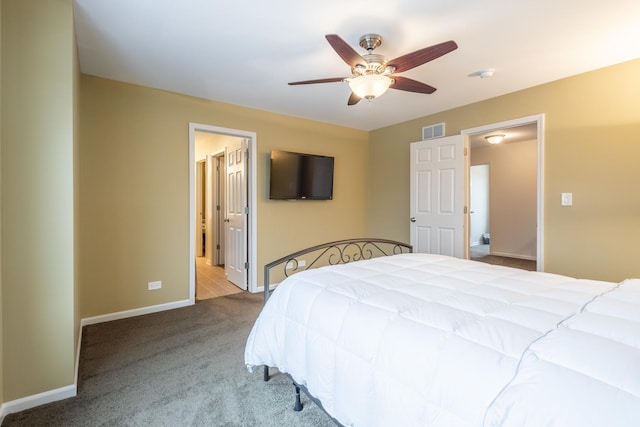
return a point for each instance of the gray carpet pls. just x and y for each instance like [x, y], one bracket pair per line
[183, 367]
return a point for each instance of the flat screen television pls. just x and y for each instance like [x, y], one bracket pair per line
[298, 176]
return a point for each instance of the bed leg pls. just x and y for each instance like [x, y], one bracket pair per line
[266, 373]
[298, 405]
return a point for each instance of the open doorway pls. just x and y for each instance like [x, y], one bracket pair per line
[508, 177]
[222, 206]
[480, 210]
[210, 238]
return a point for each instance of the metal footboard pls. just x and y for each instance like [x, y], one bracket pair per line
[331, 253]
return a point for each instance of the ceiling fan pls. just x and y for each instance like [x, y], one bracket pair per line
[372, 74]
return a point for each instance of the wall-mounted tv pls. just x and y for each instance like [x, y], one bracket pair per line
[298, 176]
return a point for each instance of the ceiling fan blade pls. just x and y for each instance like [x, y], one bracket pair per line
[422, 56]
[353, 99]
[346, 52]
[309, 82]
[410, 85]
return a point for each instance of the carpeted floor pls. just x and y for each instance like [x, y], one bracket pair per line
[183, 367]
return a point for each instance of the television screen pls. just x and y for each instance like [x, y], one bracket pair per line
[301, 176]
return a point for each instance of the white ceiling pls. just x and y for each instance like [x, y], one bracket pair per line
[245, 52]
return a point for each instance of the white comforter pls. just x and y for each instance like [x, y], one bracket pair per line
[427, 340]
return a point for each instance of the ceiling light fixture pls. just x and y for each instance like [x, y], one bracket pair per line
[370, 86]
[494, 139]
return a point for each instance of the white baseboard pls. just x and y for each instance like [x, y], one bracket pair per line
[71, 390]
[517, 256]
[272, 287]
[135, 312]
[37, 400]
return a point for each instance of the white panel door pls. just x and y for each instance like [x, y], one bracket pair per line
[236, 215]
[437, 196]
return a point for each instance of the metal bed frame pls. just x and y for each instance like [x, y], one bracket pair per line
[331, 253]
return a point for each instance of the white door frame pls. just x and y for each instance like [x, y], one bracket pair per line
[200, 206]
[214, 250]
[252, 274]
[538, 119]
[218, 213]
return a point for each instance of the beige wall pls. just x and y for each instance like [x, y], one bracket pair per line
[38, 46]
[592, 123]
[134, 213]
[512, 197]
[209, 143]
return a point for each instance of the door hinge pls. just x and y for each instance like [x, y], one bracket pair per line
[246, 209]
[466, 151]
[246, 265]
[217, 207]
[465, 209]
[218, 247]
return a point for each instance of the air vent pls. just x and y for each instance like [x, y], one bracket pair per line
[433, 131]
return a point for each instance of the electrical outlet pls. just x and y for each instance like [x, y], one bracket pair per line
[292, 264]
[152, 286]
[567, 199]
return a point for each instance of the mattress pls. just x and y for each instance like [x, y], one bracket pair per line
[429, 340]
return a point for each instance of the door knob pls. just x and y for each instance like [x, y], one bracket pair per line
[412, 219]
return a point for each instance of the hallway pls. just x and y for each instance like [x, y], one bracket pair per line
[211, 281]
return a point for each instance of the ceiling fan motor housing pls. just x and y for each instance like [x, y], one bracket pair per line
[375, 64]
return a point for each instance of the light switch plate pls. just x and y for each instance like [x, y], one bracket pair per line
[567, 199]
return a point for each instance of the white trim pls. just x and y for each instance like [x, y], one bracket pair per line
[252, 220]
[37, 400]
[540, 248]
[78, 346]
[192, 219]
[135, 312]
[516, 256]
[215, 217]
[539, 120]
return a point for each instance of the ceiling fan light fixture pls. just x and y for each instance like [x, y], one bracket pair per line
[370, 86]
[494, 139]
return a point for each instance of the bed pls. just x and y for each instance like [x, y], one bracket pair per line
[429, 340]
